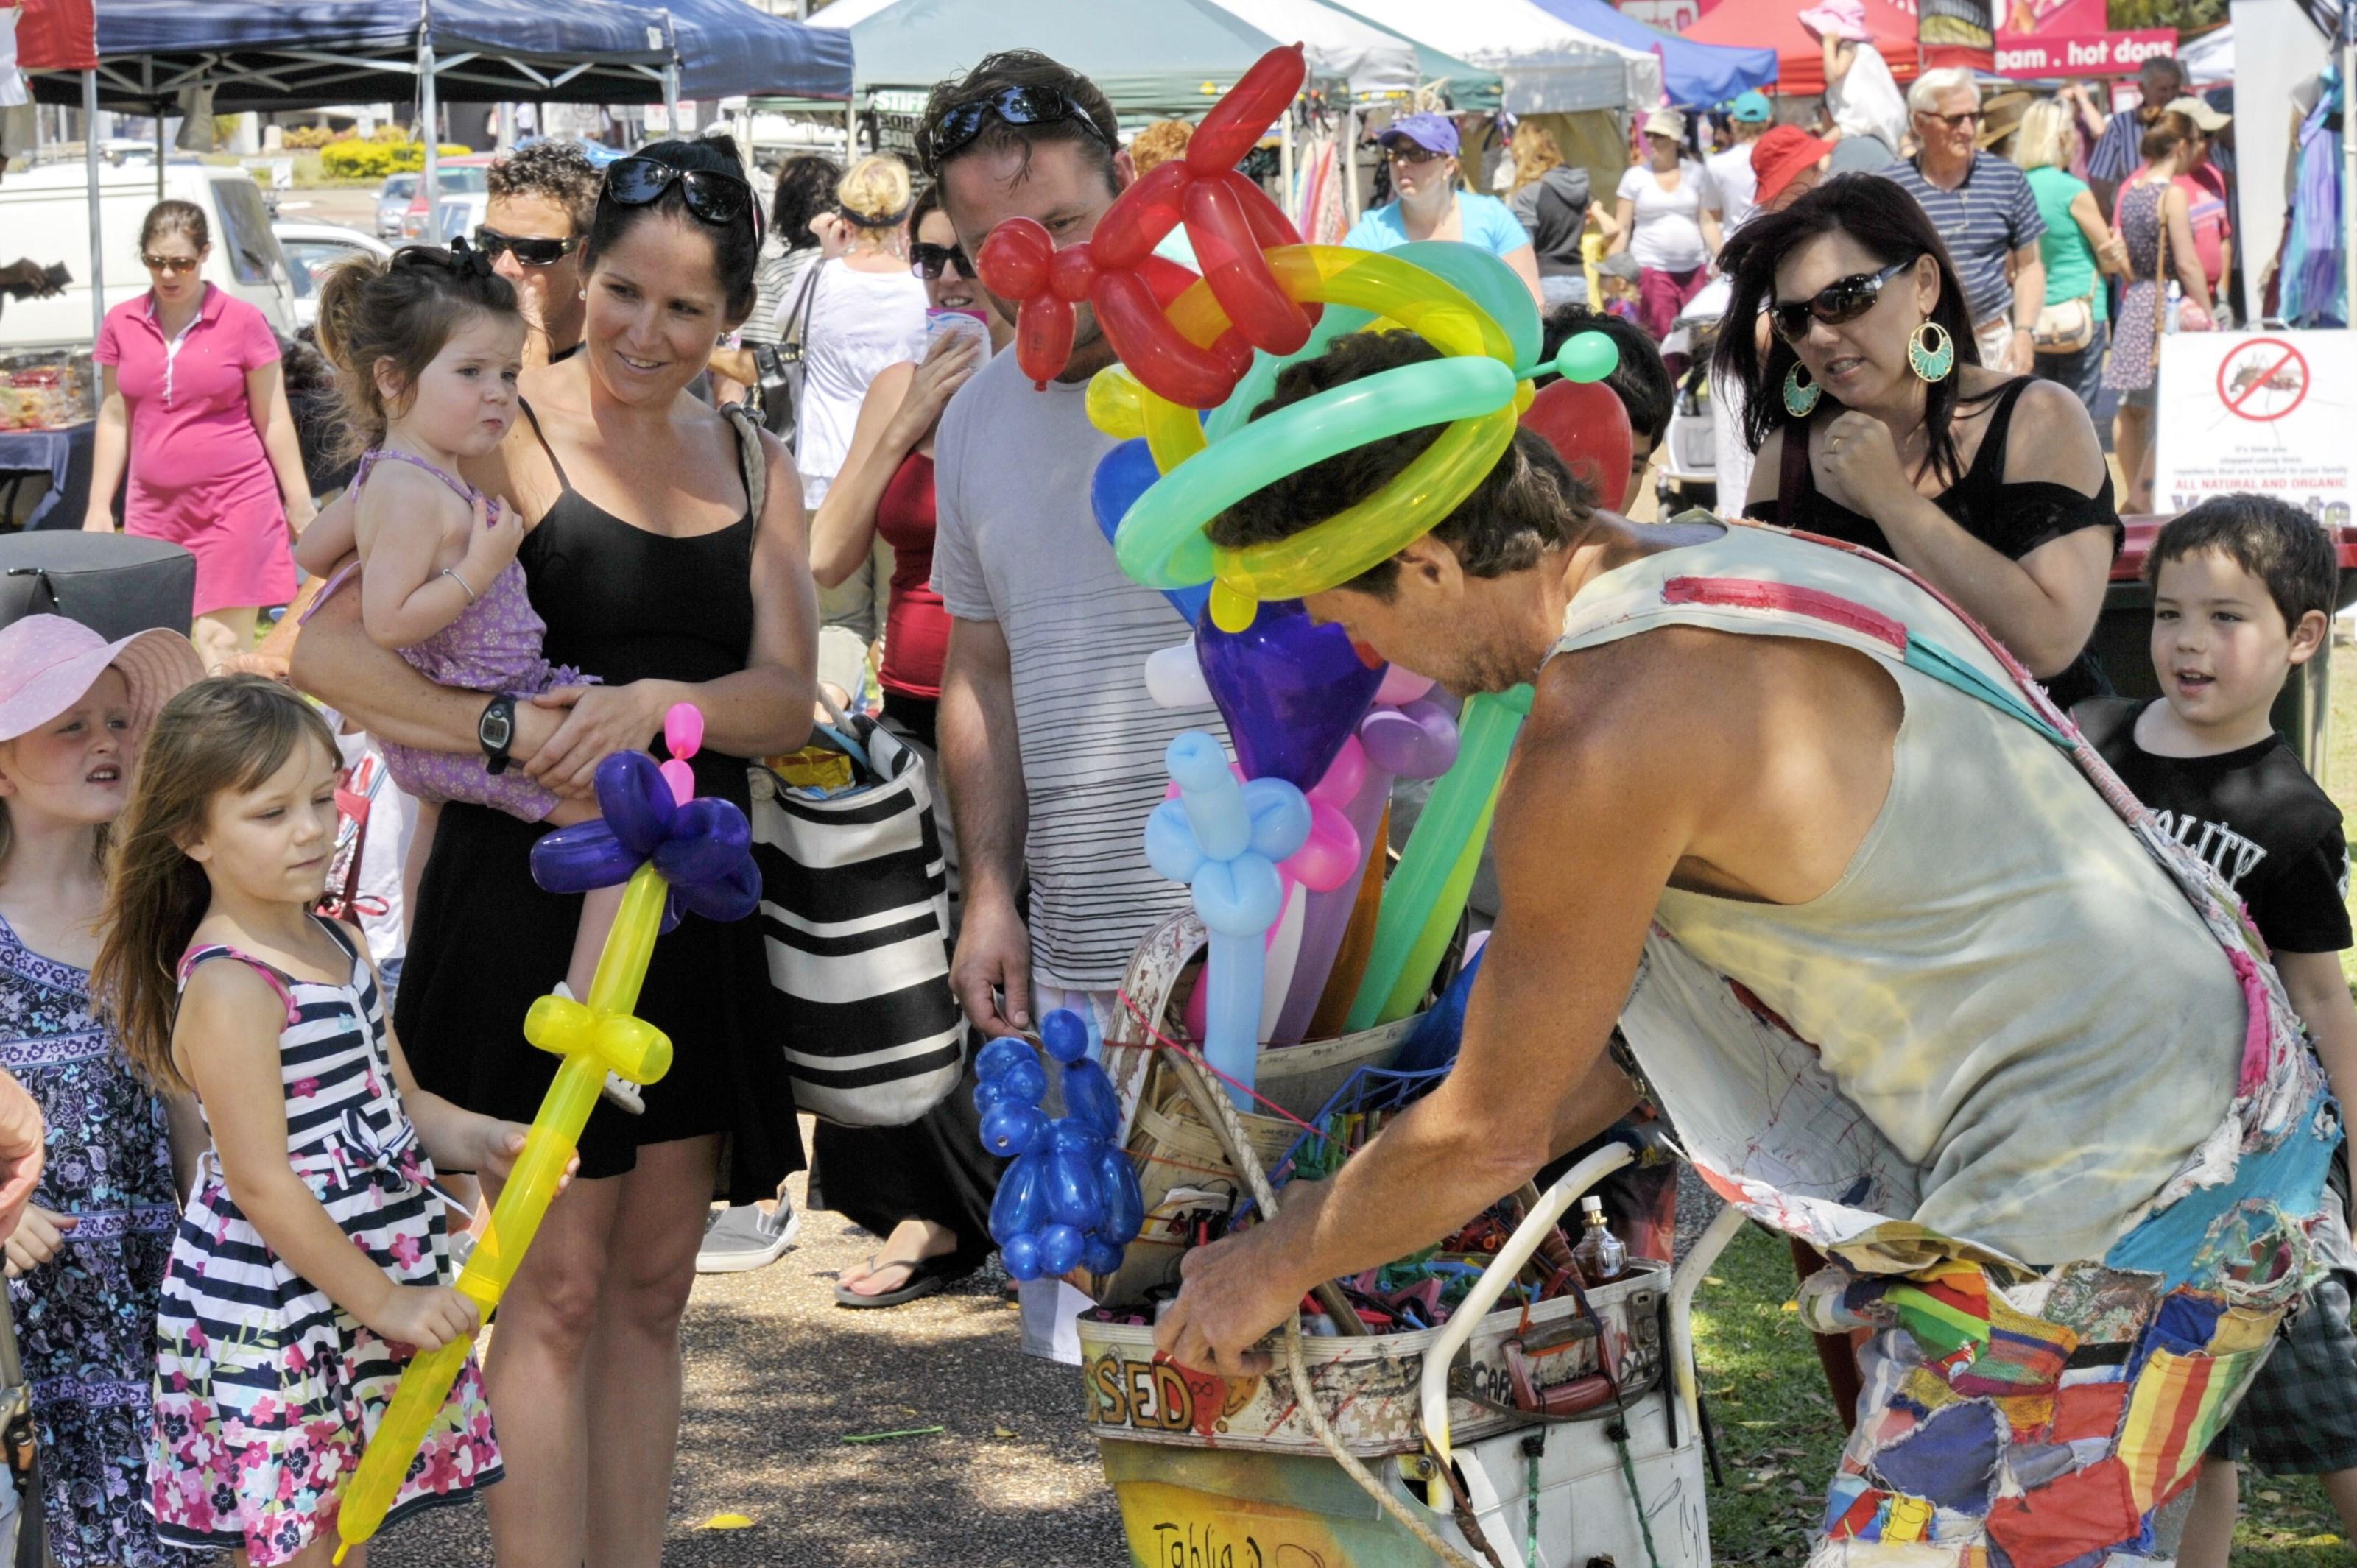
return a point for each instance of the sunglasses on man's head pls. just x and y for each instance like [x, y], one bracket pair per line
[171, 267]
[960, 123]
[1837, 303]
[713, 196]
[928, 261]
[532, 249]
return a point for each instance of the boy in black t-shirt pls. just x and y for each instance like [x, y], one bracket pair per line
[2243, 590]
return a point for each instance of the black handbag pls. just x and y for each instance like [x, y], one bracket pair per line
[778, 366]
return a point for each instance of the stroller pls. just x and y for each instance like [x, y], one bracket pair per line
[1688, 469]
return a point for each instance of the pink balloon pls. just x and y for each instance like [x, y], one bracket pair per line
[682, 780]
[1330, 855]
[683, 730]
[1401, 685]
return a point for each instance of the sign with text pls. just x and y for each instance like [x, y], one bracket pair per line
[2082, 54]
[2265, 412]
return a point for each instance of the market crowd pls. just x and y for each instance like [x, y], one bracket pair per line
[657, 433]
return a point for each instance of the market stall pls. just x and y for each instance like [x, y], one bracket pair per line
[1693, 74]
[1549, 65]
[1799, 59]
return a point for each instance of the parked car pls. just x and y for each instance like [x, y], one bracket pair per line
[392, 199]
[311, 249]
[467, 174]
[45, 214]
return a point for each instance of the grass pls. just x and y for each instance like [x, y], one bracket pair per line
[1779, 1438]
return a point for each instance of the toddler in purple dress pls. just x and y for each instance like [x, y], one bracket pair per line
[428, 346]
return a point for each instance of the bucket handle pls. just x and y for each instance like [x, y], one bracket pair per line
[1433, 1393]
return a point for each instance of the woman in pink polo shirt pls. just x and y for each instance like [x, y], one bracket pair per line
[192, 380]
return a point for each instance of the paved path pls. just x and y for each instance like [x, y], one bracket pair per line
[778, 1375]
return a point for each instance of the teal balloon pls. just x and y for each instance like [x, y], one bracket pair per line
[1588, 357]
[1260, 381]
[1489, 282]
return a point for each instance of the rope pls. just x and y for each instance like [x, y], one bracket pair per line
[1158, 1040]
[1215, 1106]
[1532, 1450]
[1636, 1498]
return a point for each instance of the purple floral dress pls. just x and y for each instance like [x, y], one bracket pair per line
[266, 1391]
[85, 1322]
[493, 646]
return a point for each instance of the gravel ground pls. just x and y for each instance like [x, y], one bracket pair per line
[778, 1375]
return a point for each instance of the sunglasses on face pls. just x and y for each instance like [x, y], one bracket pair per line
[1412, 155]
[1013, 106]
[172, 267]
[1837, 303]
[532, 249]
[1954, 122]
[712, 197]
[928, 261]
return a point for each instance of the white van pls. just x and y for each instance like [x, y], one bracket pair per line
[45, 215]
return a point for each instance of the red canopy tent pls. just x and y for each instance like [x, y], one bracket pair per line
[1799, 59]
[57, 34]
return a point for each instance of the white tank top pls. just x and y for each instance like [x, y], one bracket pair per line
[2026, 1026]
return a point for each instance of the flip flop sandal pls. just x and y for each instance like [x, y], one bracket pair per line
[927, 1276]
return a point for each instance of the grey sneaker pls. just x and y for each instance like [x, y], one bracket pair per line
[738, 1239]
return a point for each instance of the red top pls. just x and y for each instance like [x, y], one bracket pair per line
[916, 625]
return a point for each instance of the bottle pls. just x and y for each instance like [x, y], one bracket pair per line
[2176, 304]
[1602, 1257]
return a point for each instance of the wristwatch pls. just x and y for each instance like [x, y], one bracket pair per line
[495, 732]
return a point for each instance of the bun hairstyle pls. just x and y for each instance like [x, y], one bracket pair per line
[185, 218]
[378, 317]
[736, 247]
[874, 195]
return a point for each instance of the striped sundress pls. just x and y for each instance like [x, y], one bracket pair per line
[266, 1390]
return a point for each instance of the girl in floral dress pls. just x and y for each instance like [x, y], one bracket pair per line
[86, 1264]
[311, 1260]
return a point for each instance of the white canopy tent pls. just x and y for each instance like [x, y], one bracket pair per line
[1549, 65]
[1376, 63]
[2209, 59]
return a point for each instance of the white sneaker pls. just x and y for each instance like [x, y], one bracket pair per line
[738, 1239]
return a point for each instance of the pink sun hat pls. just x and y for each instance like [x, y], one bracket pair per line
[46, 662]
[1838, 18]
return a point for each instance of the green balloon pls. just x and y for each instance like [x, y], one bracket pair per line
[1261, 380]
[1588, 357]
[1489, 282]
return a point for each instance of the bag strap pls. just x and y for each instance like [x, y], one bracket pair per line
[798, 319]
[1795, 472]
[752, 458]
[2160, 266]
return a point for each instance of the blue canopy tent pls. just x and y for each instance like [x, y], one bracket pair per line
[1692, 73]
[728, 50]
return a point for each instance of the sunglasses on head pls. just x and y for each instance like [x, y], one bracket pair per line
[1837, 303]
[172, 265]
[928, 261]
[532, 251]
[713, 196]
[1011, 105]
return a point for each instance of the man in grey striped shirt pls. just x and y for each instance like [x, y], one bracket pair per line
[1983, 207]
[1050, 744]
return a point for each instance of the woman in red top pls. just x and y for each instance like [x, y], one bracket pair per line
[921, 1188]
[195, 408]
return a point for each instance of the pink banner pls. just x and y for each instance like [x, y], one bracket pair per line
[2085, 54]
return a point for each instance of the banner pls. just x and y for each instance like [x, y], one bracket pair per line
[2266, 412]
[1955, 23]
[2082, 54]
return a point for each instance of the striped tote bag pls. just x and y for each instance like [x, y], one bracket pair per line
[854, 914]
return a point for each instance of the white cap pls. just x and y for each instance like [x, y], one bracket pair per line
[1591, 1205]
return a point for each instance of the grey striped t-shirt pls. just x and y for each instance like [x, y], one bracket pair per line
[1984, 220]
[1015, 542]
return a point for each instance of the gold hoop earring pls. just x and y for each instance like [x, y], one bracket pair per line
[1929, 363]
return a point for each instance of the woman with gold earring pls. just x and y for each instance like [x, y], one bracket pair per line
[1877, 424]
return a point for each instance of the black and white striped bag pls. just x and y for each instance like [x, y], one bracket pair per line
[854, 913]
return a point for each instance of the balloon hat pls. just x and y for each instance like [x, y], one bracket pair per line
[1188, 345]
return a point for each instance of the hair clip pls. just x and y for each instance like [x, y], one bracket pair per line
[469, 261]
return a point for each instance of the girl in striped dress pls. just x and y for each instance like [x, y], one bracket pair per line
[311, 1260]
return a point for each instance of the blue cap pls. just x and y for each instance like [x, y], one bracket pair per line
[1432, 132]
[1752, 108]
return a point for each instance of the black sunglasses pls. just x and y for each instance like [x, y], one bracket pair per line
[1014, 105]
[928, 261]
[712, 196]
[1954, 122]
[1838, 303]
[532, 249]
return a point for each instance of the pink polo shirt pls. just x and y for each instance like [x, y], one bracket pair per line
[199, 476]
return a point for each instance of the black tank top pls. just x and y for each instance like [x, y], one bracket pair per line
[2011, 519]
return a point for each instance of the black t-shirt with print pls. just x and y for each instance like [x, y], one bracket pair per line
[2254, 814]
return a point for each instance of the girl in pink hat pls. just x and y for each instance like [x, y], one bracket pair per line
[86, 1264]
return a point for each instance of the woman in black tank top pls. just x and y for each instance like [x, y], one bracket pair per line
[655, 573]
[1877, 426]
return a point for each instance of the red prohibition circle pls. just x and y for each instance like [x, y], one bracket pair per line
[2238, 405]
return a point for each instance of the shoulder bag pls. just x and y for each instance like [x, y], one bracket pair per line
[779, 366]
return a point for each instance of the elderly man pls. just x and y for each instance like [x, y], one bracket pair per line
[1984, 208]
[2113, 153]
[1918, 990]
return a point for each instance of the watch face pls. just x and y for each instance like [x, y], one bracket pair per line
[497, 728]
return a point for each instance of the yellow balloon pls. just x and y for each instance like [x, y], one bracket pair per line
[1113, 404]
[592, 1038]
